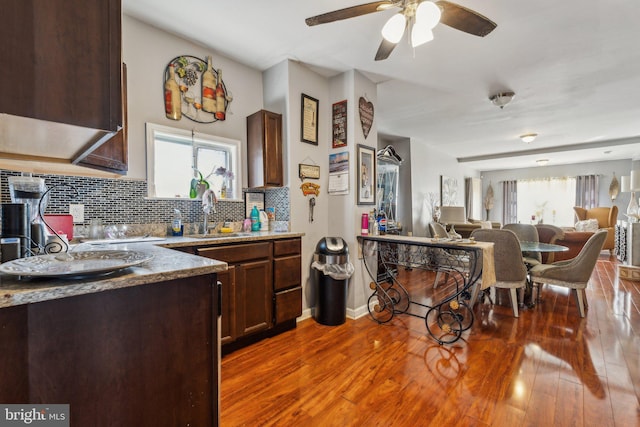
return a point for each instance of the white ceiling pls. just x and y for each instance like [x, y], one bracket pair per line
[574, 66]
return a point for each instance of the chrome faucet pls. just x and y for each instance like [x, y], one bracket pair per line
[209, 201]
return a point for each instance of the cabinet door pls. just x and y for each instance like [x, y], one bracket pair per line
[264, 149]
[228, 304]
[273, 149]
[113, 155]
[63, 61]
[287, 272]
[254, 300]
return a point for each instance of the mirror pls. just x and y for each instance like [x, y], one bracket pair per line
[387, 169]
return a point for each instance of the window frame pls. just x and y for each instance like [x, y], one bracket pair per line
[195, 140]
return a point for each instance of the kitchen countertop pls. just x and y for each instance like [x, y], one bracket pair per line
[166, 264]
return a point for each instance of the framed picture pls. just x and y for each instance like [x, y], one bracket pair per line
[448, 191]
[339, 124]
[251, 200]
[309, 120]
[308, 171]
[366, 175]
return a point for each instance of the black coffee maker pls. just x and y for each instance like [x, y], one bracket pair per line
[15, 239]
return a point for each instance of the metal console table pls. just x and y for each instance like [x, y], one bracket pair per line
[463, 262]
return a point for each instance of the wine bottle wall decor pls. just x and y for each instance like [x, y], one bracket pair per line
[194, 89]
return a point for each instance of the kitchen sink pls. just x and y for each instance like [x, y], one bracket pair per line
[216, 235]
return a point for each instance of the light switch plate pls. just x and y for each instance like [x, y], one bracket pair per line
[77, 212]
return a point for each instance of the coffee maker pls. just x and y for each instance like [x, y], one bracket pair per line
[21, 218]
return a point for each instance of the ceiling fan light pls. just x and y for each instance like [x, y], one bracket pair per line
[394, 28]
[420, 34]
[428, 14]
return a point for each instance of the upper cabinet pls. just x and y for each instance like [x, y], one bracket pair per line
[264, 149]
[63, 68]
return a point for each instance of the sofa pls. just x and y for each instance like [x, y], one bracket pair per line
[606, 217]
[455, 216]
[574, 240]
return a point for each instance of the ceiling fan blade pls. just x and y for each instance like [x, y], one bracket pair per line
[385, 49]
[463, 19]
[349, 12]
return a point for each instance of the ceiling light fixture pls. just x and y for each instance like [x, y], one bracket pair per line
[542, 162]
[528, 137]
[501, 99]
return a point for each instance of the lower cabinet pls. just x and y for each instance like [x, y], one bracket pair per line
[261, 290]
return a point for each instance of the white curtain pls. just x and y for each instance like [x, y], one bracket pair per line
[509, 202]
[587, 191]
[547, 200]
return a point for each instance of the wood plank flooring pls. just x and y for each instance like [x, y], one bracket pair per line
[548, 367]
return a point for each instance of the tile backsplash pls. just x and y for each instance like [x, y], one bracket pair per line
[123, 201]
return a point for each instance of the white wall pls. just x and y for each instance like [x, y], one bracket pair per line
[605, 169]
[428, 165]
[146, 52]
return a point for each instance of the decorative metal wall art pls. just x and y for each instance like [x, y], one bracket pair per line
[195, 90]
[366, 115]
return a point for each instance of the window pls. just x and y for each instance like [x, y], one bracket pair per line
[549, 200]
[176, 156]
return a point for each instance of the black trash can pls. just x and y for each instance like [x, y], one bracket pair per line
[332, 272]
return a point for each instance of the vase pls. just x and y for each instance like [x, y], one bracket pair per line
[223, 190]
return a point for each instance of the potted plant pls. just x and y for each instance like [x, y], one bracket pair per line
[198, 186]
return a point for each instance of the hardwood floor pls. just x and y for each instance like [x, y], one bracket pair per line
[548, 367]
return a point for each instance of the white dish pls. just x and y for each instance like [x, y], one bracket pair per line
[81, 263]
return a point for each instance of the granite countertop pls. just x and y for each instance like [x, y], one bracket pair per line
[166, 264]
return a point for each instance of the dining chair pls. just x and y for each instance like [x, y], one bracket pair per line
[573, 273]
[526, 233]
[511, 272]
[437, 230]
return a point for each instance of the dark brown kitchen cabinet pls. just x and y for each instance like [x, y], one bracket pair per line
[261, 290]
[264, 149]
[62, 61]
[287, 280]
[139, 356]
[113, 155]
[64, 69]
[247, 293]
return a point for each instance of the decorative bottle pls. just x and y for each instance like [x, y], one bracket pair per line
[209, 89]
[172, 105]
[220, 98]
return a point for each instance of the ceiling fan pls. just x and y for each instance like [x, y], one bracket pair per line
[419, 15]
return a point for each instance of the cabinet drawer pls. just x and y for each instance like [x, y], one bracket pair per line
[288, 304]
[287, 272]
[286, 247]
[237, 253]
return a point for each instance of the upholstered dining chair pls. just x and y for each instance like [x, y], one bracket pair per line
[511, 272]
[526, 233]
[573, 273]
